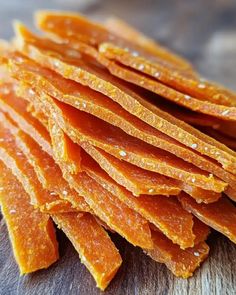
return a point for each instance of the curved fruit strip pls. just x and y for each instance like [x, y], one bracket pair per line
[126, 31]
[17, 108]
[181, 81]
[76, 26]
[146, 181]
[100, 106]
[181, 262]
[100, 81]
[220, 215]
[159, 183]
[31, 232]
[216, 110]
[116, 142]
[109, 209]
[155, 209]
[119, 217]
[13, 158]
[46, 169]
[49, 172]
[95, 248]
[152, 210]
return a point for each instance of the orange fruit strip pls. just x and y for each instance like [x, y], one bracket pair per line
[220, 215]
[65, 26]
[181, 81]
[49, 172]
[106, 205]
[181, 262]
[93, 244]
[66, 151]
[154, 208]
[17, 108]
[119, 217]
[66, 90]
[126, 31]
[146, 181]
[14, 159]
[99, 80]
[31, 232]
[216, 110]
[76, 26]
[75, 125]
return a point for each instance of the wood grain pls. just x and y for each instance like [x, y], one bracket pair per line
[203, 31]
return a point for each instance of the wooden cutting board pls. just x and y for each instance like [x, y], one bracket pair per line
[139, 275]
[202, 30]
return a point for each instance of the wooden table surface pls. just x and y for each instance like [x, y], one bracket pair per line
[205, 32]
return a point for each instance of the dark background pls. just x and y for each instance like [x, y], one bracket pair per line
[204, 32]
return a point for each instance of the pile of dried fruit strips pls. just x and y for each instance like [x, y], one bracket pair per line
[102, 129]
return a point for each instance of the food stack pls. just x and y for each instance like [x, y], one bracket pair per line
[104, 130]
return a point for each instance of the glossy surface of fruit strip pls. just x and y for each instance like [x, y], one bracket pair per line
[220, 215]
[31, 232]
[95, 248]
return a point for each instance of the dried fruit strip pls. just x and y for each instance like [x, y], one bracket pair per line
[139, 180]
[17, 108]
[155, 209]
[161, 184]
[121, 145]
[99, 80]
[31, 232]
[13, 158]
[93, 244]
[181, 262]
[76, 26]
[190, 102]
[47, 171]
[150, 208]
[181, 81]
[101, 106]
[220, 215]
[139, 234]
[112, 211]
